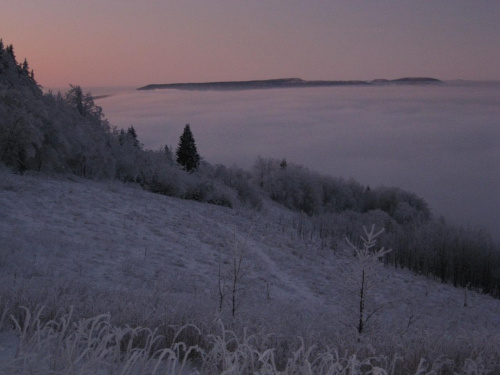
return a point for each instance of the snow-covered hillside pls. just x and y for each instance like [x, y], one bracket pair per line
[107, 247]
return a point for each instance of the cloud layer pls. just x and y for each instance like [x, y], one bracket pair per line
[441, 142]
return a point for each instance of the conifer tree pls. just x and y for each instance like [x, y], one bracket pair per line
[133, 135]
[10, 51]
[25, 66]
[187, 155]
[121, 137]
[283, 164]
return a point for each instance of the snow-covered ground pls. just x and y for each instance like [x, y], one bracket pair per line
[107, 247]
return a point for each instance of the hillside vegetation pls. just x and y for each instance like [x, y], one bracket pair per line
[93, 223]
[88, 248]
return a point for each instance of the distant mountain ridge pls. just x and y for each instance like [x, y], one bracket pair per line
[284, 83]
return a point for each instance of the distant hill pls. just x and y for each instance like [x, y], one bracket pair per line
[409, 81]
[283, 83]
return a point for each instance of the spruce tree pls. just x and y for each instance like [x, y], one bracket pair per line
[10, 51]
[133, 135]
[187, 155]
[25, 67]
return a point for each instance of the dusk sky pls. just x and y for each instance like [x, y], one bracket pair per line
[132, 43]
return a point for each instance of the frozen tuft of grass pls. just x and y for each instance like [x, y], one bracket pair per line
[92, 346]
[66, 345]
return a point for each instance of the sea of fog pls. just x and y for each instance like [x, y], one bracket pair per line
[441, 142]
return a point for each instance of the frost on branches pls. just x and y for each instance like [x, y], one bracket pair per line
[360, 279]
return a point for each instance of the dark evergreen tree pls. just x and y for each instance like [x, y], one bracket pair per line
[187, 155]
[10, 51]
[133, 135]
[121, 137]
[26, 65]
[283, 164]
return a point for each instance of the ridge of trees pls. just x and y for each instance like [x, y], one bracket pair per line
[68, 133]
[307, 191]
[333, 208]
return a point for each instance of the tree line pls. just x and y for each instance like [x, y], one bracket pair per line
[332, 208]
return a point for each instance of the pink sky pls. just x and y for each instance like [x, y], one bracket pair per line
[132, 43]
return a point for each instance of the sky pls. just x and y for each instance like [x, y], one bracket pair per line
[132, 43]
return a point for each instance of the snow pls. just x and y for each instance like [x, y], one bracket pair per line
[109, 247]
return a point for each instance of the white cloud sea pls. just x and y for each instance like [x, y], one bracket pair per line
[441, 142]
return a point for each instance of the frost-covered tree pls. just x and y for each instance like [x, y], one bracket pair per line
[290, 184]
[187, 155]
[20, 135]
[361, 277]
[168, 153]
[91, 133]
[21, 111]
[240, 181]
[128, 156]
[84, 103]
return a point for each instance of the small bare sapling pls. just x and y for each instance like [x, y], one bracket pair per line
[361, 277]
[230, 280]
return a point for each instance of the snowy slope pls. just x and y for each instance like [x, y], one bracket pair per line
[110, 247]
[113, 237]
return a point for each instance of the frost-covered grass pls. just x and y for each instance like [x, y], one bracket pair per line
[109, 262]
[95, 346]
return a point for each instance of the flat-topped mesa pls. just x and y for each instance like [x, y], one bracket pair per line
[249, 85]
[407, 81]
[227, 85]
[424, 80]
[279, 83]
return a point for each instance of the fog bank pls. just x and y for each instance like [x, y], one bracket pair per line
[441, 142]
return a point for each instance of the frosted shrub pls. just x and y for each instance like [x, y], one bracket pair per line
[290, 184]
[239, 180]
[199, 188]
[159, 175]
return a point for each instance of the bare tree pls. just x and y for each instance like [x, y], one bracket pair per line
[361, 278]
[231, 279]
[221, 285]
[238, 270]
